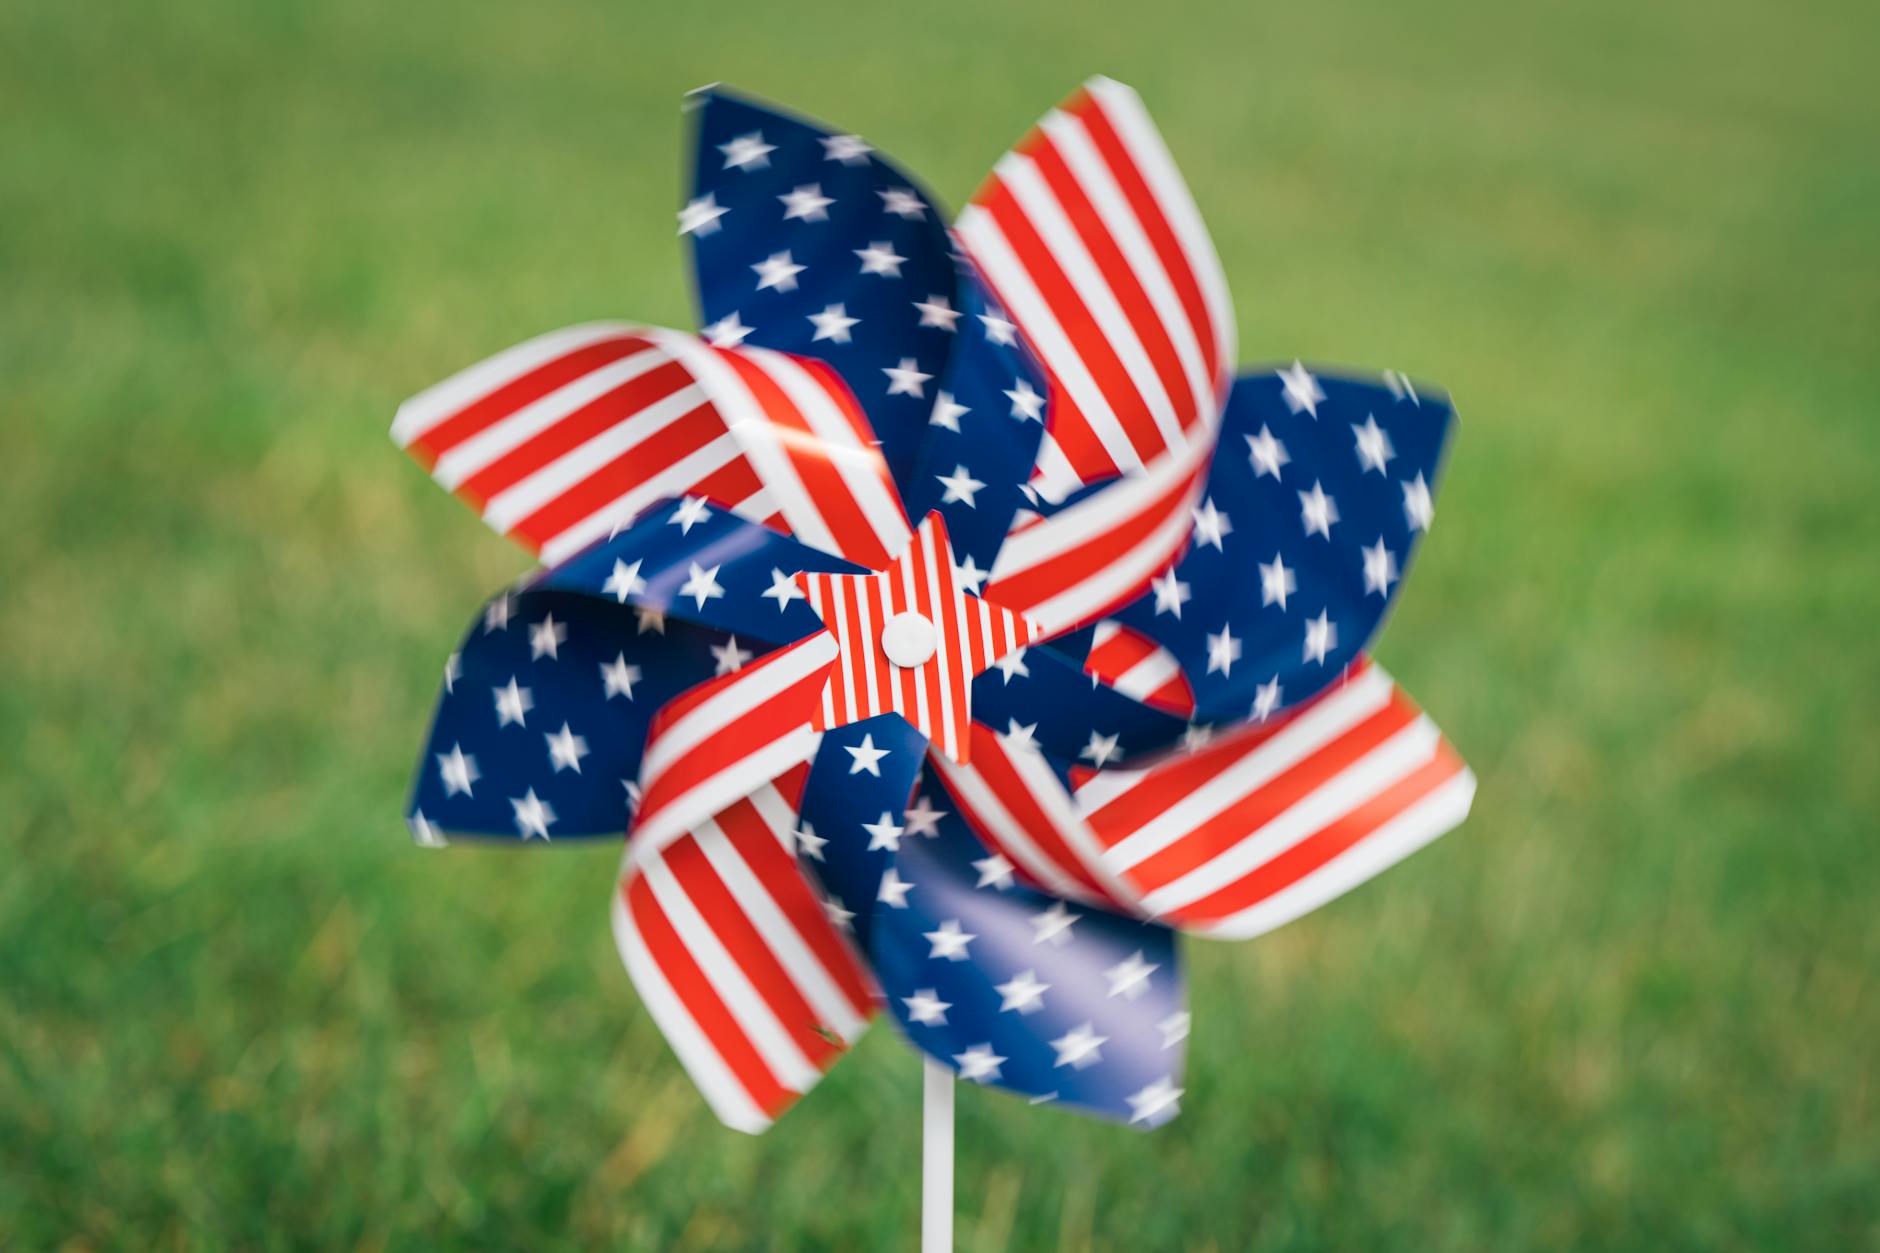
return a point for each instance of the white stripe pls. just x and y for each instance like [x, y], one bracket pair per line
[1100, 512]
[1103, 633]
[697, 805]
[1351, 787]
[917, 715]
[523, 425]
[734, 701]
[936, 559]
[1009, 278]
[972, 791]
[1073, 142]
[838, 606]
[858, 466]
[1052, 478]
[1440, 811]
[1125, 111]
[1042, 784]
[456, 393]
[514, 503]
[1146, 677]
[720, 1087]
[807, 974]
[1312, 730]
[1066, 247]
[747, 1006]
[777, 815]
[618, 512]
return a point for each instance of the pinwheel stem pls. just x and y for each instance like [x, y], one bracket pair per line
[936, 1158]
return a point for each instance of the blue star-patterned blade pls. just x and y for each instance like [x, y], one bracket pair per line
[702, 563]
[852, 815]
[807, 241]
[1045, 691]
[1315, 502]
[1019, 990]
[544, 714]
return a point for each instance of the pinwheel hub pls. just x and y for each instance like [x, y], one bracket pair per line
[909, 639]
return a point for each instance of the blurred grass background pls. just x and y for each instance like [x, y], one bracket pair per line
[1632, 1004]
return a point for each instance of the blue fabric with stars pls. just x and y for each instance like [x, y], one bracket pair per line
[1373, 448]
[773, 192]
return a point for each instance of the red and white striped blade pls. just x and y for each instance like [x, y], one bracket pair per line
[560, 441]
[753, 986]
[1090, 238]
[1139, 668]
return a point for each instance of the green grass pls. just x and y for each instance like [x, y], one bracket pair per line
[1632, 1004]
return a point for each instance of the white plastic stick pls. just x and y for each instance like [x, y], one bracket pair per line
[936, 1158]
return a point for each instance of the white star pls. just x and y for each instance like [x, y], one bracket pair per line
[1266, 699]
[458, 771]
[1223, 650]
[625, 581]
[979, 1064]
[496, 614]
[1100, 749]
[937, 311]
[842, 918]
[1174, 1028]
[1027, 402]
[1402, 389]
[901, 202]
[894, 889]
[618, 677]
[809, 843]
[747, 152]
[994, 872]
[970, 575]
[947, 411]
[1302, 390]
[423, 833]
[702, 585]
[1079, 1047]
[1155, 1104]
[1196, 735]
[566, 749]
[1023, 993]
[652, 620]
[922, 818]
[1321, 638]
[960, 485]
[453, 670]
[883, 833]
[806, 204]
[1374, 447]
[700, 217]
[832, 323]
[545, 637]
[848, 149]
[729, 658]
[880, 258]
[1276, 582]
[1129, 978]
[1418, 510]
[1266, 453]
[998, 330]
[783, 590]
[949, 941]
[512, 704]
[1019, 738]
[1054, 924]
[906, 379]
[1317, 511]
[534, 816]
[1380, 568]
[778, 271]
[1211, 526]
[867, 756]
[690, 510]
[926, 1008]
[726, 332]
[1170, 594]
[632, 789]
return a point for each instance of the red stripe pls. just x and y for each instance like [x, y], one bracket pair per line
[609, 482]
[495, 405]
[995, 770]
[753, 730]
[689, 984]
[602, 413]
[1327, 843]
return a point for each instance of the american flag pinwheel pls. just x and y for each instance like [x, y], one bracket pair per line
[947, 625]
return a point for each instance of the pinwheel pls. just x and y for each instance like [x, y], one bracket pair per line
[947, 625]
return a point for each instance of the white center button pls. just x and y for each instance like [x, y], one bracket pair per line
[908, 639]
